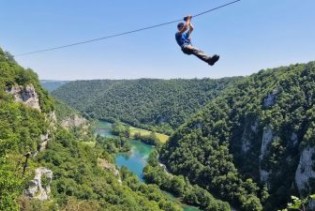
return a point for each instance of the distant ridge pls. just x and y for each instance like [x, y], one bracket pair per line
[148, 103]
[51, 85]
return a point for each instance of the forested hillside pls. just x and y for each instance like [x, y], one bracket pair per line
[254, 145]
[46, 167]
[20, 127]
[149, 103]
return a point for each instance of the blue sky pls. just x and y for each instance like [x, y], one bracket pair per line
[249, 36]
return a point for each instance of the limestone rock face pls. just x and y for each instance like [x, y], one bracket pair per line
[26, 95]
[266, 140]
[305, 170]
[108, 166]
[51, 118]
[250, 130]
[39, 187]
[311, 205]
[270, 99]
[44, 139]
[74, 121]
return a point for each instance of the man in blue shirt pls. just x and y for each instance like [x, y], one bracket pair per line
[183, 40]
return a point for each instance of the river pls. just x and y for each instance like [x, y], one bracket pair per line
[136, 159]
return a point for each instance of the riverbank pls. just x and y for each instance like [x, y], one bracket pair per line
[149, 137]
[162, 137]
[136, 159]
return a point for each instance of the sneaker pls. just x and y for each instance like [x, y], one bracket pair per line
[212, 60]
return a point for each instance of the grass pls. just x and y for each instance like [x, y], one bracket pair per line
[162, 137]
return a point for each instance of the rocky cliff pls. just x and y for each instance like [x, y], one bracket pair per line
[263, 127]
[27, 95]
[305, 171]
[74, 121]
[39, 187]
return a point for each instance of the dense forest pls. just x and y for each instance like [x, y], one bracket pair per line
[160, 105]
[20, 128]
[246, 143]
[75, 174]
[254, 144]
[156, 173]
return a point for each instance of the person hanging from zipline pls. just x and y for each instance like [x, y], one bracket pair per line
[184, 41]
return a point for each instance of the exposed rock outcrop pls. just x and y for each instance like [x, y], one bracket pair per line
[294, 139]
[44, 139]
[39, 187]
[106, 165]
[51, 118]
[311, 205]
[250, 130]
[163, 166]
[26, 95]
[266, 140]
[74, 121]
[305, 170]
[270, 99]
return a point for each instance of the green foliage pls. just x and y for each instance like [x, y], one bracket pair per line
[299, 204]
[179, 187]
[73, 121]
[220, 147]
[217, 151]
[63, 111]
[160, 105]
[151, 139]
[10, 186]
[120, 129]
[37, 205]
[123, 131]
[12, 74]
[113, 145]
[20, 129]
[79, 181]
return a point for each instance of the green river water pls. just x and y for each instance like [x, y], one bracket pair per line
[136, 159]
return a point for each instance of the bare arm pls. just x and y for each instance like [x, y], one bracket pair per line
[189, 24]
[191, 27]
[184, 28]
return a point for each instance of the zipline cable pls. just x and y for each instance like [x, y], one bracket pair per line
[123, 33]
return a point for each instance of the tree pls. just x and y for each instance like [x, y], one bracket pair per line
[299, 204]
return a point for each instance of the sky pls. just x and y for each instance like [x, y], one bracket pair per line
[249, 36]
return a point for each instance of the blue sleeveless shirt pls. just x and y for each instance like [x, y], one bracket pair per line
[182, 39]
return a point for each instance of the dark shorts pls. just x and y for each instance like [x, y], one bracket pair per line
[187, 51]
